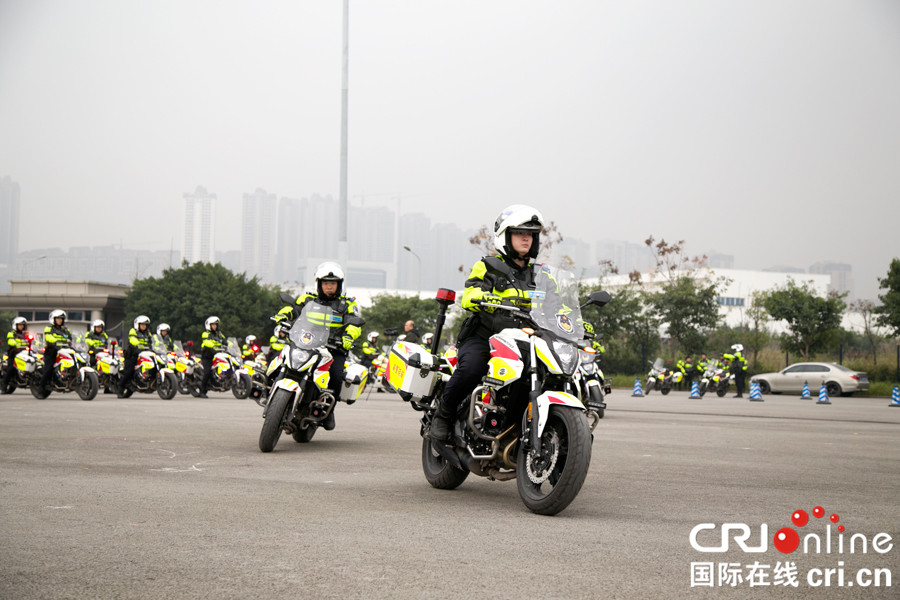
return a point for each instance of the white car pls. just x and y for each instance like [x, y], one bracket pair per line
[838, 379]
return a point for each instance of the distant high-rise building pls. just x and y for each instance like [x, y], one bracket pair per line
[199, 227]
[717, 260]
[9, 221]
[258, 235]
[287, 252]
[841, 276]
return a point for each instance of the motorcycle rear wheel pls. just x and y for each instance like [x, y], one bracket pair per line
[87, 389]
[440, 473]
[167, 387]
[275, 414]
[567, 433]
[304, 436]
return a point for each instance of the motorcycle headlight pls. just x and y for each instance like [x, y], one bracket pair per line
[298, 357]
[568, 356]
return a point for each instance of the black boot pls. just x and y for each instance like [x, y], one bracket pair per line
[442, 422]
[328, 422]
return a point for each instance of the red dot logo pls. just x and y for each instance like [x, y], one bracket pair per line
[834, 518]
[786, 540]
[800, 518]
[841, 528]
[818, 512]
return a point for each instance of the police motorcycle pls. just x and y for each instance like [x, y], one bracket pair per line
[27, 364]
[72, 371]
[592, 387]
[225, 366]
[299, 399]
[250, 378]
[152, 372]
[188, 372]
[108, 365]
[661, 378]
[716, 378]
[525, 421]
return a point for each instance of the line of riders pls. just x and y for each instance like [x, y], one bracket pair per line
[711, 374]
[517, 397]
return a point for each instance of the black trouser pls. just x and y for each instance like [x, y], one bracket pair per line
[336, 374]
[127, 371]
[207, 373]
[472, 357]
[49, 364]
[10, 367]
[739, 381]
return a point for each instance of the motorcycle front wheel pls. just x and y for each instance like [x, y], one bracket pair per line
[87, 389]
[596, 399]
[721, 391]
[440, 473]
[167, 387]
[665, 390]
[275, 414]
[241, 387]
[549, 482]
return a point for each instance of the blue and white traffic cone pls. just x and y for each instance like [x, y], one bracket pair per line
[823, 396]
[638, 391]
[695, 391]
[895, 397]
[755, 392]
[805, 395]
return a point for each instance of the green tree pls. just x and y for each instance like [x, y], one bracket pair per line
[186, 296]
[866, 310]
[889, 311]
[625, 323]
[758, 335]
[813, 322]
[690, 310]
[392, 311]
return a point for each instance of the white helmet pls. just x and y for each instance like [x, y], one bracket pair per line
[738, 347]
[329, 271]
[209, 321]
[373, 335]
[518, 217]
[142, 319]
[161, 327]
[17, 321]
[427, 338]
[249, 339]
[97, 323]
[279, 329]
[58, 313]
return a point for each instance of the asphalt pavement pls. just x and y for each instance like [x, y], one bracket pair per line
[146, 498]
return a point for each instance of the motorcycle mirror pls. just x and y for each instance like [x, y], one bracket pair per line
[598, 298]
[287, 298]
[390, 331]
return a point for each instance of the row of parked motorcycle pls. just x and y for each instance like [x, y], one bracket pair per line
[159, 370]
[715, 378]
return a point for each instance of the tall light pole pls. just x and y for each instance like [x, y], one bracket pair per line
[343, 250]
[408, 249]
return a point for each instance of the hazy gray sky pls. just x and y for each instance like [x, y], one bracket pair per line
[766, 129]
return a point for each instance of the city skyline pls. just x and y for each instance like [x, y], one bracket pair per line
[283, 239]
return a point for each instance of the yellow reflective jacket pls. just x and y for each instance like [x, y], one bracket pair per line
[342, 306]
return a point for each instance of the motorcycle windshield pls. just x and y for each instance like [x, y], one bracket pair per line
[310, 329]
[79, 343]
[232, 347]
[157, 345]
[554, 303]
[178, 348]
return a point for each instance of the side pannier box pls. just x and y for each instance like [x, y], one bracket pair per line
[354, 381]
[411, 370]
